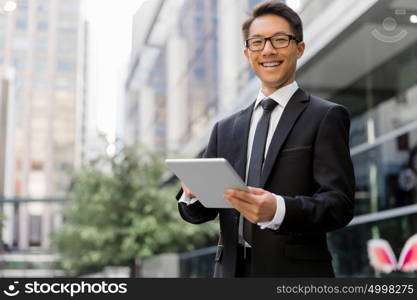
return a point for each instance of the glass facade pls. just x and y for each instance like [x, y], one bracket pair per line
[371, 68]
[182, 66]
[379, 88]
[198, 27]
[157, 81]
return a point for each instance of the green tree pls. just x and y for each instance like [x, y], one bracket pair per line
[119, 213]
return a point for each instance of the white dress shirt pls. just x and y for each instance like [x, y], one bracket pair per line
[282, 97]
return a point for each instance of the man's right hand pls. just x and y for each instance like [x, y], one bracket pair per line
[187, 191]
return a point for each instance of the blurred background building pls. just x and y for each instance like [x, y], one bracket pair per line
[41, 44]
[187, 71]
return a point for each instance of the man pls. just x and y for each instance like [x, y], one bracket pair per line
[293, 150]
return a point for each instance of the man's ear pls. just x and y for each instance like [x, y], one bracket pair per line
[246, 52]
[300, 49]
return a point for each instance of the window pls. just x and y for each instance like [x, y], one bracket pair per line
[42, 26]
[21, 24]
[20, 44]
[35, 230]
[66, 66]
[19, 63]
[67, 46]
[42, 45]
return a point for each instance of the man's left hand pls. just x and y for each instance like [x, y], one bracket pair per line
[257, 205]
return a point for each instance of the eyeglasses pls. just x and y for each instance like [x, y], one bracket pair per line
[280, 40]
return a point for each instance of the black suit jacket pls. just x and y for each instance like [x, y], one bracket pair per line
[308, 163]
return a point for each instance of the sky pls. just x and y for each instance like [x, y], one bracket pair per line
[110, 25]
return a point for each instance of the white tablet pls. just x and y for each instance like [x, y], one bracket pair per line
[207, 178]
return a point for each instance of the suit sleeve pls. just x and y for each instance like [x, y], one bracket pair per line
[332, 205]
[196, 213]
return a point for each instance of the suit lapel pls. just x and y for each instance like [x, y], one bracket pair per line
[241, 128]
[292, 111]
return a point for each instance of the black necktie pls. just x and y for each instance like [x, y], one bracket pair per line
[257, 155]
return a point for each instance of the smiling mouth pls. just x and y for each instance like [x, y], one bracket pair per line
[272, 64]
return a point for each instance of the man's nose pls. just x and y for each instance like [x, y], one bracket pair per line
[268, 48]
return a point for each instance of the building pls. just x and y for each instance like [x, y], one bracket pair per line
[173, 69]
[361, 54]
[42, 41]
[82, 107]
[367, 62]
[7, 113]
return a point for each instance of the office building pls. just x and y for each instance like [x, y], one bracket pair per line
[41, 41]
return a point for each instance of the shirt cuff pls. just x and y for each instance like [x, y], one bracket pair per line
[185, 199]
[276, 222]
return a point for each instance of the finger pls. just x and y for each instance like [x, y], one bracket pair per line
[256, 191]
[184, 187]
[249, 210]
[187, 191]
[242, 206]
[242, 195]
[250, 217]
[232, 191]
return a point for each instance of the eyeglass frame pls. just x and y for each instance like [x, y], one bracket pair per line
[290, 36]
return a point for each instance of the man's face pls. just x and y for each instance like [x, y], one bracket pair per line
[273, 77]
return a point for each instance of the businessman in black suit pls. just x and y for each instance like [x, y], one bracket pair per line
[293, 150]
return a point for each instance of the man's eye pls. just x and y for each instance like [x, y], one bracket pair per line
[280, 40]
[256, 42]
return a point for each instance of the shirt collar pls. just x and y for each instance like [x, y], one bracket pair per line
[282, 96]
